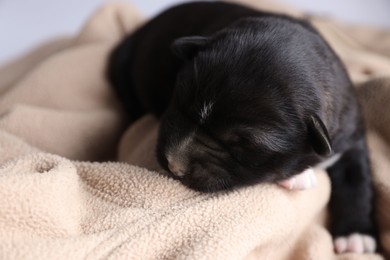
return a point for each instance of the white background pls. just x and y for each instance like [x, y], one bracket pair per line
[26, 23]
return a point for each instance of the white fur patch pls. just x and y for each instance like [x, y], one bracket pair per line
[328, 162]
[205, 111]
[307, 179]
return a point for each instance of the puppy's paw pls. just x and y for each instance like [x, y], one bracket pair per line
[355, 243]
[302, 181]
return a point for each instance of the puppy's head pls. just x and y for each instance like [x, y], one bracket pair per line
[243, 112]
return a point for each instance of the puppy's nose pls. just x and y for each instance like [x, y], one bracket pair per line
[176, 168]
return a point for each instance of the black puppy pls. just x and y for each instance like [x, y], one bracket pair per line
[246, 97]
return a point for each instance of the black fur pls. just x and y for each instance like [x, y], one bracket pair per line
[279, 101]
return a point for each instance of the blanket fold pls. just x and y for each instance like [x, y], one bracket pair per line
[60, 123]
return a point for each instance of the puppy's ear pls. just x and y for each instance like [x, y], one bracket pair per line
[186, 47]
[318, 136]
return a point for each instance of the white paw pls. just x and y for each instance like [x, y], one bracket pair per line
[302, 181]
[355, 243]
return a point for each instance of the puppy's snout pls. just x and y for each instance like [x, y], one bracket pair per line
[176, 168]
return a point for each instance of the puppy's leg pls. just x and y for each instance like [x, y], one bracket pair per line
[302, 181]
[351, 202]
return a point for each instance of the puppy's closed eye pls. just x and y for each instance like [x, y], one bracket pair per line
[265, 140]
[250, 159]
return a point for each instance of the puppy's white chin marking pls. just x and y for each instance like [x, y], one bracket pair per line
[355, 243]
[303, 181]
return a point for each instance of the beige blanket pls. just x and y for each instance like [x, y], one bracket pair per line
[57, 112]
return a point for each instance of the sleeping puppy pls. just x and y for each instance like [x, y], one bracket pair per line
[249, 97]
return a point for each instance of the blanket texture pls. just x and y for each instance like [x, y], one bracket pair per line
[60, 198]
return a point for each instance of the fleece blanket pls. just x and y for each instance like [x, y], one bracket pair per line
[64, 195]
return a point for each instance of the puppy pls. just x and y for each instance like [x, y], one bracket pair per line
[246, 97]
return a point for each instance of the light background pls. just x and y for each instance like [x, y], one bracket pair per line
[26, 23]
